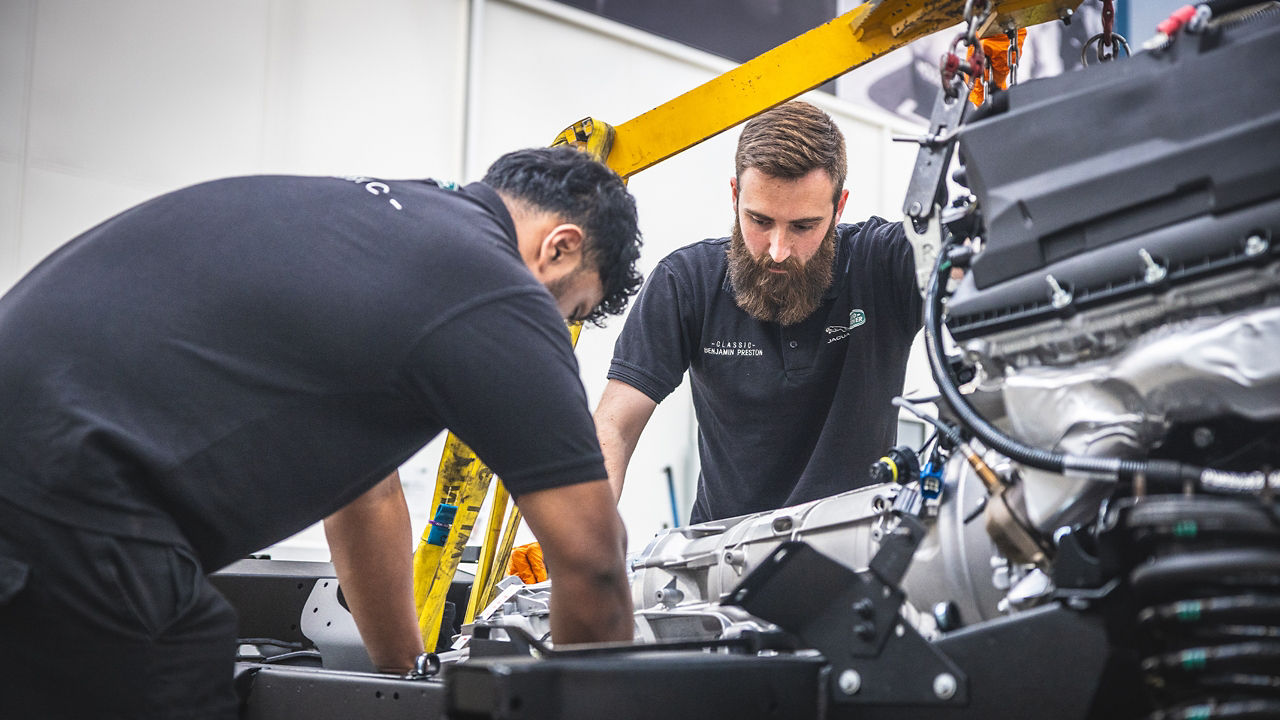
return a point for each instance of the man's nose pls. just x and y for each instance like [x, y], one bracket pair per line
[779, 247]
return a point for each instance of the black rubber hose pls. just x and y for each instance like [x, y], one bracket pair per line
[1231, 566]
[1222, 7]
[1246, 709]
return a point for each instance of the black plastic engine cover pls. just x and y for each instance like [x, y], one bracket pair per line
[1164, 143]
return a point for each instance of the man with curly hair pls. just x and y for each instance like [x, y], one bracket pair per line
[215, 369]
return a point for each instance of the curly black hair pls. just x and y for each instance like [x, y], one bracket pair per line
[584, 192]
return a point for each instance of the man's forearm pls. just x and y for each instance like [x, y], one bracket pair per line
[620, 417]
[590, 605]
[584, 543]
[371, 544]
[617, 456]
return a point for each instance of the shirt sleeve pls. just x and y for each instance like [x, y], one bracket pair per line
[653, 350]
[502, 376]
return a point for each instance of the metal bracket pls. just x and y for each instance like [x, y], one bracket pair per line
[929, 175]
[330, 626]
[925, 246]
[854, 620]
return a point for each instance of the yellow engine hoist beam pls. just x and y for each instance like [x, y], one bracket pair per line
[797, 66]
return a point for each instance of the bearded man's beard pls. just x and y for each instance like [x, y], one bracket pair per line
[775, 297]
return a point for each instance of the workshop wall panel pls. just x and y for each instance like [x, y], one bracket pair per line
[16, 18]
[10, 221]
[148, 91]
[364, 88]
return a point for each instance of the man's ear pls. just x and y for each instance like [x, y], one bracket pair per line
[561, 250]
[844, 195]
[733, 193]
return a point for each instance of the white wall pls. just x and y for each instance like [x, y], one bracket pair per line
[103, 105]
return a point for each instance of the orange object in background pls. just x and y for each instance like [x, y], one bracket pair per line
[527, 564]
[997, 49]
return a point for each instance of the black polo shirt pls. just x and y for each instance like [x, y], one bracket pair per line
[785, 414]
[231, 362]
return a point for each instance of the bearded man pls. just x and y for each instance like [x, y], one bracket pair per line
[795, 331]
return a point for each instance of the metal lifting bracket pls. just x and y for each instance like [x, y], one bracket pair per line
[936, 146]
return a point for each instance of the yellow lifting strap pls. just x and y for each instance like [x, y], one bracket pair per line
[484, 568]
[462, 482]
[502, 561]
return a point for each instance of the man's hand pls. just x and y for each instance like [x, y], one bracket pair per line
[371, 544]
[584, 543]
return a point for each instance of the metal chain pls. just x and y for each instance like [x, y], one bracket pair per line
[1109, 42]
[976, 13]
[1108, 25]
[1015, 54]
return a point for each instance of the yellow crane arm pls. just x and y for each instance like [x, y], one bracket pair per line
[797, 66]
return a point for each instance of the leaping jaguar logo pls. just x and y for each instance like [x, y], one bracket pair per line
[856, 318]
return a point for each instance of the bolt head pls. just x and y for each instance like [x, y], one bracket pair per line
[1202, 437]
[864, 607]
[947, 615]
[1255, 245]
[850, 682]
[944, 686]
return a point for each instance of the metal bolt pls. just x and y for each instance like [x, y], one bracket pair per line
[944, 686]
[850, 682]
[1200, 20]
[1255, 245]
[1065, 16]
[1202, 437]
[1060, 297]
[915, 208]
[865, 607]
[669, 596]
[947, 615]
[1155, 271]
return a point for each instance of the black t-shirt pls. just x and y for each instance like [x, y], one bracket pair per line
[785, 414]
[233, 361]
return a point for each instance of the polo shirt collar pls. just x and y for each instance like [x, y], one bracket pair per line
[488, 197]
